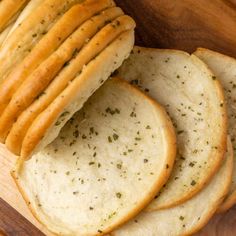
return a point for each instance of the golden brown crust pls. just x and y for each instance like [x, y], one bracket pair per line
[8, 8]
[228, 203]
[50, 115]
[36, 25]
[17, 20]
[36, 83]
[30, 7]
[168, 133]
[203, 50]
[4, 33]
[87, 30]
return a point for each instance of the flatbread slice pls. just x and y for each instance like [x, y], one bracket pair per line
[32, 29]
[187, 218]
[48, 124]
[101, 162]
[224, 68]
[83, 57]
[8, 9]
[61, 30]
[194, 99]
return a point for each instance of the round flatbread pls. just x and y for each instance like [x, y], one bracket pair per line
[194, 100]
[27, 10]
[224, 68]
[189, 217]
[108, 169]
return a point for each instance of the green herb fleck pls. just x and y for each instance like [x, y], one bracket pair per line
[109, 139]
[115, 136]
[118, 195]
[119, 166]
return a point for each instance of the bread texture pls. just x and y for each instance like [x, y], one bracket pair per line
[20, 43]
[187, 218]
[90, 49]
[71, 99]
[21, 87]
[8, 9]
[185, 86]
[26, 11]
[101, 162]
[17, 21]
[4, 33]
[224, 68]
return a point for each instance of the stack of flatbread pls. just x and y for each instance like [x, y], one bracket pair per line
[148, 151]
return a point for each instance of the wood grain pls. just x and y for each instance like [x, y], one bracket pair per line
[221, 225]
[184, 24]
[13, 223]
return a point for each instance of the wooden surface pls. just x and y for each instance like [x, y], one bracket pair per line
[184, 24]
[13, 223]
[179, 24]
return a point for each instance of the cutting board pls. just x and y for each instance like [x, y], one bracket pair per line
[179, 24]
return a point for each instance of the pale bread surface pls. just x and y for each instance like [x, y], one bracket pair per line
[21, 87]
[108, 169]
[48, 124]
[189, 217]
[194, 100]
[224, 68]
[80, 58]
[35, 26]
